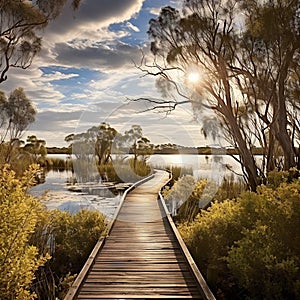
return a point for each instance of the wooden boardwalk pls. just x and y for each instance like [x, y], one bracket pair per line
[141, 258]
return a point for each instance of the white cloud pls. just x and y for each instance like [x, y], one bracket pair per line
[83, 40]
[132, 27]
[155, 10]
[56, 76]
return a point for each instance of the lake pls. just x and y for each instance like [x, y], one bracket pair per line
[58, 196]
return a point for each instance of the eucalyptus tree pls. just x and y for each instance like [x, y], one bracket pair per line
[21, 23]
[96, 142]
[17, 113]
[36, 147]
[269, 59]
[201, 39]
[215, 45]
[137, 144]
[104, 137]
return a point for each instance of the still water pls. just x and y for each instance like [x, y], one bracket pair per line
[58, 196]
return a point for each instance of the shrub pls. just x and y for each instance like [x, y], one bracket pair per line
[272, 271]
[19, 214]
[75, 236]
[70, 238]
[253, 241]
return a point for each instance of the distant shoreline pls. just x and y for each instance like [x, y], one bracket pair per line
[178, 150]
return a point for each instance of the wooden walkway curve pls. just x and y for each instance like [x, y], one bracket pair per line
[142, 257]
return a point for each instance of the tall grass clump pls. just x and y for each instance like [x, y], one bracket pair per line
[57, 164]
[125, 170]
[190, 195]
[177, 171]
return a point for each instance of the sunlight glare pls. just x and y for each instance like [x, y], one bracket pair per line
[193, 77]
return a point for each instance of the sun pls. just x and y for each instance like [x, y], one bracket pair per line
[193, 77]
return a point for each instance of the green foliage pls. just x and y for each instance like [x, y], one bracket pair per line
[230, 189]
[179, 193]
[16, 113]
[20, 23]
[19, 214]
[275, 178]
[57, 164]
[36, 147]
[178, 171]
[134, 142]
[94, 148]
[273, 239]
[75, 236]
[252, 241]
[70, 238]
[128, 170]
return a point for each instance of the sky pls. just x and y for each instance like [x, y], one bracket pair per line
[86, 73]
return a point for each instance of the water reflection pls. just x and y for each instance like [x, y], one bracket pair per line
[96, 196]
[59, 196]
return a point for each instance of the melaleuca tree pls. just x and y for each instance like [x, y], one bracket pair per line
[19, 214]
[136, 143]
[36, 147]
[92, 149]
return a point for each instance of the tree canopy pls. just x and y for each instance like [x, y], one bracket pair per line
[94, 148]
[16, 114]
[245, 55]
[21, 23]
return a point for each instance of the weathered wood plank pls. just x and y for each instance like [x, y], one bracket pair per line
[145, 297]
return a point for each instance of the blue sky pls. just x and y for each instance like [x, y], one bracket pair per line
[85, 73]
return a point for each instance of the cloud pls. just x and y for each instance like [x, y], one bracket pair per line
[101, 56]
[132, 27]
[57, 76]
[69, 99]
[92, 15]
[155, 11]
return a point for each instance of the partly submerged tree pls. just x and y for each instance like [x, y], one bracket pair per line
[36, 147]
[105, 136]
[96, 141]
[202, 43]
[135, 143]
[92, 149]
[21, 23]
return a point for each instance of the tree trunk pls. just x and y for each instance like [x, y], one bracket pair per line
[271, 148]
[281, 115]
[247, 158]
